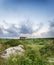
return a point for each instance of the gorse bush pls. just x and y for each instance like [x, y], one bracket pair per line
[48, 49]
[13, 42]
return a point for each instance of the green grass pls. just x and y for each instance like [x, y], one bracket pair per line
[32, 46]
[36, 47]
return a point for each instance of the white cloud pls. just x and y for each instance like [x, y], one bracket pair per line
[26, 30]
[39, 33]
[5, 32]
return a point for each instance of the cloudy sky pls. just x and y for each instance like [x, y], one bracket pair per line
[30, 18]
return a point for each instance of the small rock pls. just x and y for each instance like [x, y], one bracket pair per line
[13, 50]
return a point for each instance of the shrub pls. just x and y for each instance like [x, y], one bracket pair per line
[13, 42]
[48, 49]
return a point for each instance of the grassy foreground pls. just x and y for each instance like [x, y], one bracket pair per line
[37, 51]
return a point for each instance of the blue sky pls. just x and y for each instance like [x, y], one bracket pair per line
[32, 18]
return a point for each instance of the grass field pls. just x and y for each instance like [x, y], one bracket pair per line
[35, 44]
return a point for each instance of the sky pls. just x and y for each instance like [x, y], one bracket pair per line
[27, 18]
